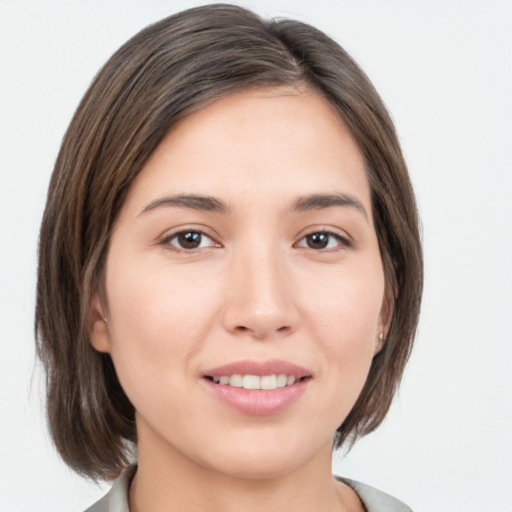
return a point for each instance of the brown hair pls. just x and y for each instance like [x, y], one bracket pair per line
[159, 76]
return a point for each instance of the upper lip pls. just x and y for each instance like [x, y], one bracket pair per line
[260, 368]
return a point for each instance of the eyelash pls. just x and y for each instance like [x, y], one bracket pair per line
[166, 240]
[342, 242]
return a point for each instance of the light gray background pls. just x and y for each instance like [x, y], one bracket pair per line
[444, 68]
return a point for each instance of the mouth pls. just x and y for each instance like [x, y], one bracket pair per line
[258, 388]
[263, 382]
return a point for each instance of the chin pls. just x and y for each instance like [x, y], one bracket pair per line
[258, 468]
[266, 459]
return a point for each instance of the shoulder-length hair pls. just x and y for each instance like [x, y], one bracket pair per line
[161, 75]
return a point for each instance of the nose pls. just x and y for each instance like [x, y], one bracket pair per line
[261, 302]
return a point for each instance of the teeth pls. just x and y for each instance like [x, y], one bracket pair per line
[281, 381]
[236, 381]
[267, 382]
[251, 382]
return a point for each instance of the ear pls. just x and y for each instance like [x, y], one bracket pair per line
[100, 334]
[386, 313]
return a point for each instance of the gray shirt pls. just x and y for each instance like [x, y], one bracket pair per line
[116, 500]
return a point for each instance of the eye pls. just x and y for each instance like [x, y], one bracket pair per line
[323, 240]
[189, 240]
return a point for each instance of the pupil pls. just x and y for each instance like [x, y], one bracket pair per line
[189, 240]
[318, 240]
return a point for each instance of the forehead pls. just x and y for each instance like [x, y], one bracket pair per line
[267, 142]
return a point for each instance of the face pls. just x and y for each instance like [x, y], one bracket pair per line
[244, 286]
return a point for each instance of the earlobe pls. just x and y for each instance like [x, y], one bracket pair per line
[386, 313]
[379, 344]
[100, 334]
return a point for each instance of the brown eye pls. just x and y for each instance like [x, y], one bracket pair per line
[324, 240]
[189, 240]
[318, 240]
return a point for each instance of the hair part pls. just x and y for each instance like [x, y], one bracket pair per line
[161, 75]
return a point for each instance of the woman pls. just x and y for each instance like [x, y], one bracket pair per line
[230, 269]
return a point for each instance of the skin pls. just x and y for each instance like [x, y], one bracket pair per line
[253, 289]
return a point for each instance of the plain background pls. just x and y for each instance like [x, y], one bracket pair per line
[444, 68]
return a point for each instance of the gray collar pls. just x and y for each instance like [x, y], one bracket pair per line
[374, 500]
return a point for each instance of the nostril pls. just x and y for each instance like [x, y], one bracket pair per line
[243, 329]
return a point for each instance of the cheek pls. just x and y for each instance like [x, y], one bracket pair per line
[152, 296]
[159, 322]
[347, 304]
[344, 317]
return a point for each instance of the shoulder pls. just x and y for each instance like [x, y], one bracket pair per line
[375, 500]
[116, 500]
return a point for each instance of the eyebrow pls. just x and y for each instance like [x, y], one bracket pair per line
[192, 201]
[212, 204]
[321, 201]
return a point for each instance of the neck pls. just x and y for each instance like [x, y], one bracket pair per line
[167, 480]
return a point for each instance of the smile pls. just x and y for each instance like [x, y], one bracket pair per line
[258, 387]
[266, 382]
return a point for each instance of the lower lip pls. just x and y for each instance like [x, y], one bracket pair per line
[258, 402]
